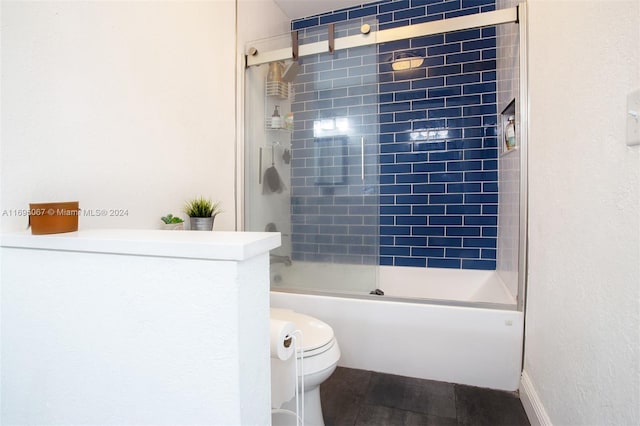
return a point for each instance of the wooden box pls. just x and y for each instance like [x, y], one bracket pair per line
[53, 218]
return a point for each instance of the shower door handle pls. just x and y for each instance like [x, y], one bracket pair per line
[362, 158]
[260, 167]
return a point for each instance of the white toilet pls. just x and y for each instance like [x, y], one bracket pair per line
[321, 354]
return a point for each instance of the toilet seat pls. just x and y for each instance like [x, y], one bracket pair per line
[319, 346]
[316, 335]
[320, 361]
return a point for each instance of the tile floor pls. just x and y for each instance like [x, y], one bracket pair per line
[358, 397]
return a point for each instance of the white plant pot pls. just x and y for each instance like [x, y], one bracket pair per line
[173, 226]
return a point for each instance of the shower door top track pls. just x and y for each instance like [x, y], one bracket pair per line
[496, 17]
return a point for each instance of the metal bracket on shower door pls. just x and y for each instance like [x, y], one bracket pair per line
[294, 45]
[252, 51]
[331, 37]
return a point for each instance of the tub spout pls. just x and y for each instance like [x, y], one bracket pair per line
[274, 258]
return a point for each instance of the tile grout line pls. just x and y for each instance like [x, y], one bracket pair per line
[455, 402]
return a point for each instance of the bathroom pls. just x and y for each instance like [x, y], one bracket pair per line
[144, 110]
[386, 180]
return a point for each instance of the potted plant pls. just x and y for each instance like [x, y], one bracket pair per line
[172, 222]
[201, 213]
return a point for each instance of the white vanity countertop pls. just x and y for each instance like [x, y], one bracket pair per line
[148, 242]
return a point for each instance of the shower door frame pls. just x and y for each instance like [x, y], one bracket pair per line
[517, 15]
[523, 31]
[496, 17]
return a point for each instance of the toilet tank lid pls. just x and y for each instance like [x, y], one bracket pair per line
[315, 333]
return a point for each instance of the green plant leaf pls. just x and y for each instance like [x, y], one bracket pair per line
[201, 207]
[169, 219]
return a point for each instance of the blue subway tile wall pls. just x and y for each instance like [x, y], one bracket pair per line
[430, 193]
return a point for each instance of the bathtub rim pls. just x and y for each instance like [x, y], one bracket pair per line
[411, 300]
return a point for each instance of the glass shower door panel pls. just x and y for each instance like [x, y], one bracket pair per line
[334, 174]
[267, 147]
[331, 196]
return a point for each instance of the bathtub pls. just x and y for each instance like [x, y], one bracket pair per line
[457, 326]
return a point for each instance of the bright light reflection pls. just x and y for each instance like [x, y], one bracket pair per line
[406, 63]
[330, 127]
[429, 135]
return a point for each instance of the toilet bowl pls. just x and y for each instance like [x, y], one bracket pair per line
[318, 360]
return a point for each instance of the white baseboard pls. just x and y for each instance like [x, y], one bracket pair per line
[531, 402]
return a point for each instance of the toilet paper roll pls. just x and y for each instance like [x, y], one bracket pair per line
[281, 342]
[283, 363]
[283, 381]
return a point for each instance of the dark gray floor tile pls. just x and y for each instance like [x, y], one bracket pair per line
[479, 407]
[405, 393]
[351, 397]
[377, 415]
[417, 419]
[342, 394]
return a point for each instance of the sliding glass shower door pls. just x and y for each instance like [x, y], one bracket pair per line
[311, 166]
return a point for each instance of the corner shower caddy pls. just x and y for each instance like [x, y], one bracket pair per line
[277, 93]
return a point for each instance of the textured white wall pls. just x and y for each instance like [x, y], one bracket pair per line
[93, 338]
[123, 105]
[582, 345]
[259, 19]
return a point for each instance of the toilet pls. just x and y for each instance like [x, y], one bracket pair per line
[320, 358]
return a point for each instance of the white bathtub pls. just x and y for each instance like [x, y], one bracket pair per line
[459, 326]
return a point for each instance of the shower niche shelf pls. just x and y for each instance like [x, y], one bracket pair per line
[508, 130]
